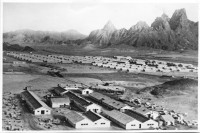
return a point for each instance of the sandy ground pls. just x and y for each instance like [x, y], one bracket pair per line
[87, 81]
[9, 59]
[183, 104]
[119, 79]
[16, 83]
[134, 84]
[77, 68]
[176, 74]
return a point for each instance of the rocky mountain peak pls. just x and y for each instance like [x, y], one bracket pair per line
[142, 24]
[139, 26]
[179, 19]
[165, 17]
[161, 23]
[109, 26]
[102, 36]
[180, 12]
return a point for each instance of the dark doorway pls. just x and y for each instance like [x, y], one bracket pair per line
[95, 110]
[139, 125]
[87, 92]
[42, 111]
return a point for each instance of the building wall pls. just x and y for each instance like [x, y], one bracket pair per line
[73, 124]
[134, 125]
[58, 105]
[40, 110]
[94, 107]
[83, 124]
[150, 123]
[84, 92]
[101, 123]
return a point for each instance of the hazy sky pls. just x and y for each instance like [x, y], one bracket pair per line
[85, 17]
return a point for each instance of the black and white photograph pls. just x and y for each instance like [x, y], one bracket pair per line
[99, 66]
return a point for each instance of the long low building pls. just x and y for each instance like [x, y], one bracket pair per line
[82, 103]
[36, 105]
[109, 102]
[130, 119]
[59, 102]
[76, 120]
[121, 119]
[86, 120]
[145, 121]
[97, 120]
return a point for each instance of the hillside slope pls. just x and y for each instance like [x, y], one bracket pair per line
[174, 87]
[16, 47]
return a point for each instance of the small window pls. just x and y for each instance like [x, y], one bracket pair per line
[102, 123]
[84, 124]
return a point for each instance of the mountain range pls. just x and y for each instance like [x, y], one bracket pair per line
[175, 33]
[41, 37]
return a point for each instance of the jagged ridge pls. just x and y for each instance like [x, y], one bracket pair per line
[164, 33]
